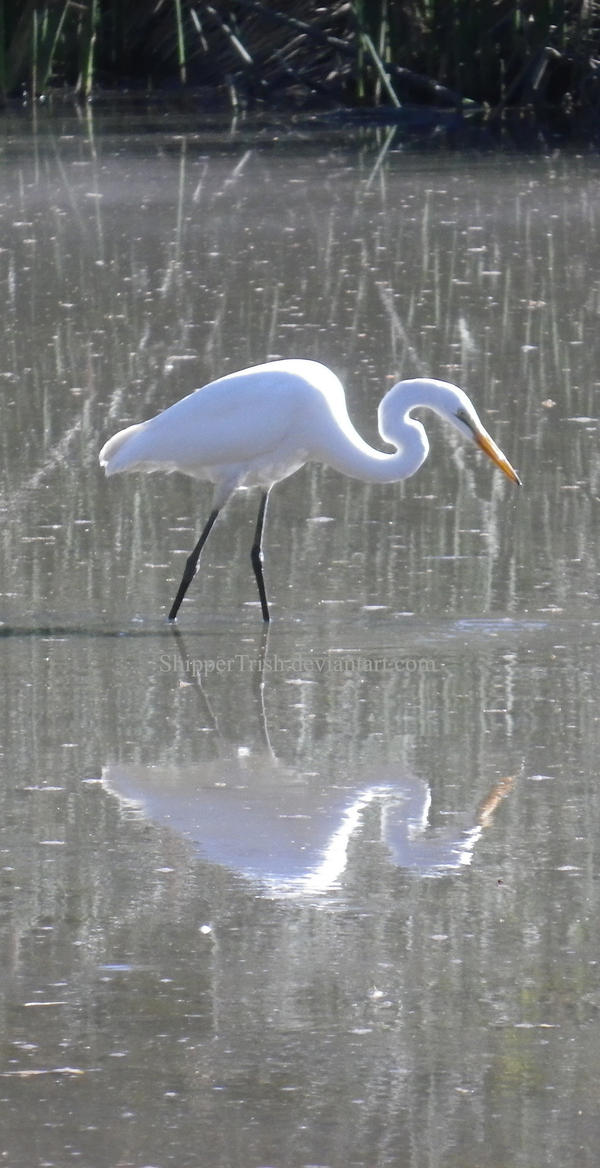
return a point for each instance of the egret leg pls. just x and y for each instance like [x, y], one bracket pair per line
[256, 556]
[192, 565]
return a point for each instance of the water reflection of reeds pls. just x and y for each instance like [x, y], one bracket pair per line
[127, 283]
[448, 1006]
[118, 924]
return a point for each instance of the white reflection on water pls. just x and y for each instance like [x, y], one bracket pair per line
[294, 829]
[273, 827]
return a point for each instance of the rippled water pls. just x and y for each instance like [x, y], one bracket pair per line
[326, 895]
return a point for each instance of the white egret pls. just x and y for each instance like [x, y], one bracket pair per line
[256, 427]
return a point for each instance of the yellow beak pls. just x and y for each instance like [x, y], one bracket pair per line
[494, 452]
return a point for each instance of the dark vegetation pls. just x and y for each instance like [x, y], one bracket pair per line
[541, 54]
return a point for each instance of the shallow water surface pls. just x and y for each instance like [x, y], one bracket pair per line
[325, 894]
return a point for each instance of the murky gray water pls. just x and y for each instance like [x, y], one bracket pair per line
[328, 896]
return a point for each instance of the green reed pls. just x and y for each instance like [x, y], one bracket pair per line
[495, 51]
[484, 50]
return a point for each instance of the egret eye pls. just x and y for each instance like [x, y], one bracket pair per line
[463, 417]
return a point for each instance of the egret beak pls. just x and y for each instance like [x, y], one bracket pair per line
[494, 452]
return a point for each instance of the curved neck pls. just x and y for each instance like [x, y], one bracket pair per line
[341, 446]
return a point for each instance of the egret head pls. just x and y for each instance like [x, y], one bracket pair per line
[470, 426]
[450, 403]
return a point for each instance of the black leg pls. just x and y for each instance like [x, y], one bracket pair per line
[257, 557]
[191, 565]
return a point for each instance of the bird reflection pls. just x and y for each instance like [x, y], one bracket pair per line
[291, 832]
